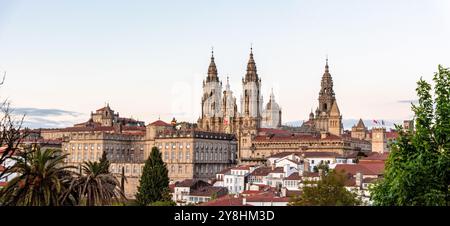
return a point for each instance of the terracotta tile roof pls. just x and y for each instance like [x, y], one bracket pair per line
[365, 169]
[185, 183]
[310, 174]
[207, 191]
[228, 200]
[261, 171]
[160, 123]
[251, 192]
[266, 197]
[294, 176]
[320, 154]
[283, 154]
[277, 170]
[3, 184]
[273, 131]
[374, 156]
[244, 167]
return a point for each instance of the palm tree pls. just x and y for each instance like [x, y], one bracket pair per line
[97, 186]
[43, 180]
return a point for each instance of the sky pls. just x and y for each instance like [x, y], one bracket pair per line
[147, 59]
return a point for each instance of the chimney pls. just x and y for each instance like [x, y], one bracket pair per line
[306, 165]
[244, 201]
[283, 192]
[359, 178]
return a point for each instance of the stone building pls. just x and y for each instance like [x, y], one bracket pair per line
[360, 131]
[220, 112]
[272, 114]
[188, 152]
[379, 140]
[327, 117]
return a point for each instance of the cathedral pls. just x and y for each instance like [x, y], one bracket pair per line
[219, 108]
[327, 117]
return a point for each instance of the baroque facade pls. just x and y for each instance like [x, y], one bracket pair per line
[219, 109]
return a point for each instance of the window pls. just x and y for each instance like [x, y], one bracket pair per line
[180, 169]
[166, 155]
[173, 155]
[180, 155]
[188, 155]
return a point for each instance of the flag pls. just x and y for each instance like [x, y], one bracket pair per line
[225, 121]
[375, 121]
[382, 122]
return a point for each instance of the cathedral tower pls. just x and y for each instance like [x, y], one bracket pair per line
[251, 100]
[328, 117]
[212, 90]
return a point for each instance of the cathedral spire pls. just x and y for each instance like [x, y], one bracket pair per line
[326, 94]
[252, 75]
[212, 70]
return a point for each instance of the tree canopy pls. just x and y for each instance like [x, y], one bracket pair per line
[418, 168]
[154, 182]
[329, 191]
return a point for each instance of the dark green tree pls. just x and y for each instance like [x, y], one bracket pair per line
[329, 191]
[417, 170]
[104, 161]
[154, 182]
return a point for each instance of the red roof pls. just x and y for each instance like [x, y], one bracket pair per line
[160, 123]
[266, 197]
[294, 176]
[273, 131]
[364, 168]
[3, 184]
[374, 156]
[228, 200]
[294, 137]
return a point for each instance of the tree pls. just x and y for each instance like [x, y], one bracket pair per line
[42, 180]
[96, 186]
[104, 161]
[321, 166]
[154, 182]
[11, 134]
[329, 191]
[417, 171]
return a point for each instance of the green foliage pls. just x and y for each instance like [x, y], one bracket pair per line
[105, 162]
[43, 180]
[154, 182]
[96, 186]
[329, 191]
[163, 203]
[418, 168]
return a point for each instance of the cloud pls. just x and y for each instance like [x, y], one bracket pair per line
[44, 112]
[408, 101]
[48, 117]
